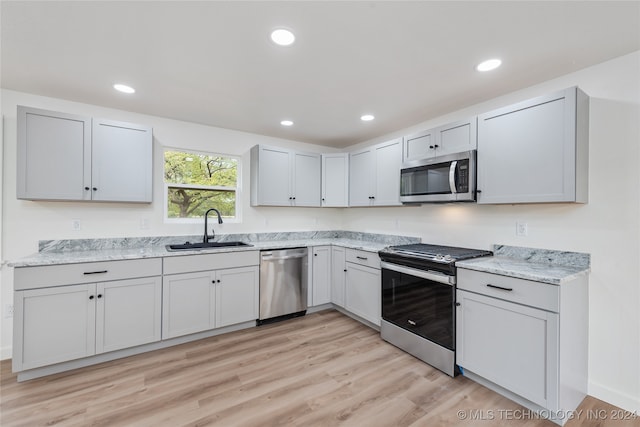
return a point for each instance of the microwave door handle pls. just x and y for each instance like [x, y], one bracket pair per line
[452, 176]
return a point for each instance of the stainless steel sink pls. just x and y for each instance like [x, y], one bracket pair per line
[188, 246]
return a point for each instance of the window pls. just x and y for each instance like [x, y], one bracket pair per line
[196, 182]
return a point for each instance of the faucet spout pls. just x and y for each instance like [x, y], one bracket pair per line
[206, 237]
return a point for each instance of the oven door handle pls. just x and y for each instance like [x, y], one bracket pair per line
[429, 275]
[452, 176]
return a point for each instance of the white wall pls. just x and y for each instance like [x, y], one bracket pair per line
[26, 222]
[608, 227]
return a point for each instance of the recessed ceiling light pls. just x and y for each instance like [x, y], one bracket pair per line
[286, 123]
[367, 118]
[488, 65]
[123, 88]
[282, 37]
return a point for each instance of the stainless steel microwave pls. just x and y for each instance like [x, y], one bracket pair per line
[448, 178]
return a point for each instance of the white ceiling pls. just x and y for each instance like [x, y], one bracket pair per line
[213, 62]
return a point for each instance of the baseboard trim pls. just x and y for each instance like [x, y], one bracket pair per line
[356, 317]
[614, 397]
[6, 352]
[119, 354]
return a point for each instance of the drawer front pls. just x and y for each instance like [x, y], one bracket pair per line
[527, 292]
[205, 262]
[369, 259]
[89, 272]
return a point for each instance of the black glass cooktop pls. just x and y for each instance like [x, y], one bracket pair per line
[426, 256]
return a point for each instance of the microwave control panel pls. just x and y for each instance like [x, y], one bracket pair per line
[462, 181]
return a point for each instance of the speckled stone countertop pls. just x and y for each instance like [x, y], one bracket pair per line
[54, 252]
[540, 265]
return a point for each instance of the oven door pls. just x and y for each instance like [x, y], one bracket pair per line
[419, 301]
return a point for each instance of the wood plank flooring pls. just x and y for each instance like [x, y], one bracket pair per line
[323, 369]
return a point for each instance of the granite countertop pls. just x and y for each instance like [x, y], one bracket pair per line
[95, 250]
[540, 265]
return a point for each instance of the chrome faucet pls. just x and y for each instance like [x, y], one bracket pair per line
[206, 232]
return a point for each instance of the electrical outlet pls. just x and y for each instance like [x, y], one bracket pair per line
[522, 229]
[76, 225]
[144, 223]
[8, 311]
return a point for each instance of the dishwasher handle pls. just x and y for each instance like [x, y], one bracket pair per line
[285, 254]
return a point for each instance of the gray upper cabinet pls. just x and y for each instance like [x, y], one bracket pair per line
[535, 151]
[418, 146]
[281, 177]
[374, 175]
[122, 160]
[335, 180]
[305, 181]
[54, 155]
[69, 157]
[447, 139]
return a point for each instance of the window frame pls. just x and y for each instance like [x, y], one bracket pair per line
[166, 185]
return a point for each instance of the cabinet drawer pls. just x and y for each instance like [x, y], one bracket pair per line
[204, 262]
[370, 259]
[89, 272]
[527, 292]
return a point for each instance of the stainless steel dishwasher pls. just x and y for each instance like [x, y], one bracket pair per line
[283, 284]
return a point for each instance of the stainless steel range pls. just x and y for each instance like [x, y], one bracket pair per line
[418, 300]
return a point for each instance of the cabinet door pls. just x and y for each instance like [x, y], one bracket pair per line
[527, 152]
[188, 303]
[53, 325]
[54, 155]
[360, 178]
[122, 161]
[363, 292]
[512, 345]
[306, 179]
[419, 146]
[236, 295]
[273, 177]
[321, 265]
[456, 137]
[128, 313]
[335, 180]
[388, 160]
[338, 275]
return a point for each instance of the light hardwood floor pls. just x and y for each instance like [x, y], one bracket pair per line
[319, 370]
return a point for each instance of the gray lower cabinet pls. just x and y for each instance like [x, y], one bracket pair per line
[525, 339]
[321, 275]
[362, 286]
[196, 302]
[69, 157]
[535, 151]
[338, 275]
[68, 312]
[208, 291]
[63, 323]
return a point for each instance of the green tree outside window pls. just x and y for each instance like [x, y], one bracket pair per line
[196, 182]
